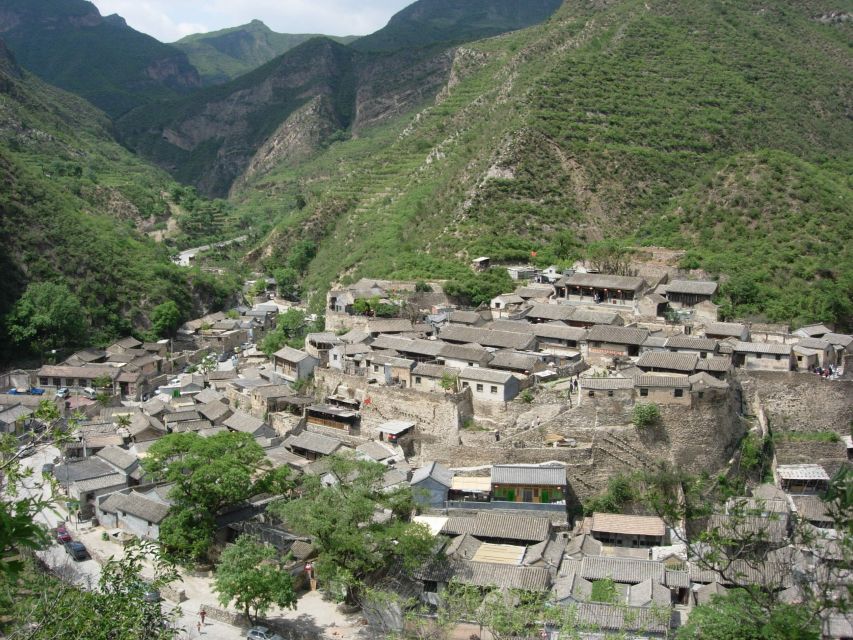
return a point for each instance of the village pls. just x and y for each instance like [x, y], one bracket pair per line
[508, 421]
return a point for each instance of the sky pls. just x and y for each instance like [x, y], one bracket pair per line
[170, 20]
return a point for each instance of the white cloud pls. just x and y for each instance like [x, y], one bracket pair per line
[169, 20]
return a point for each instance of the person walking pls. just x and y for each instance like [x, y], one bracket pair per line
[202, 614]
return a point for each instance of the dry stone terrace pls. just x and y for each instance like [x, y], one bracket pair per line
[505, 420]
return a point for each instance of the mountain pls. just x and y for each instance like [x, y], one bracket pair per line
[223, 55]
[316, 92]
[70, 45]
[424, 24]
[72, 205]
[720, 129]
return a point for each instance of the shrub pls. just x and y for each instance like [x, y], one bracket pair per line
[645, 415]
[527, 397]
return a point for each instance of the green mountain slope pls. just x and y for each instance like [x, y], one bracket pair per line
[318, 91]
[424, 24]
[71, 203]
[223, 55]
[607, 121]
[69, 44]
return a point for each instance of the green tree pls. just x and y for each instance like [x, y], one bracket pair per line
[166, 318]
[737, 616]
[478, 288]
[46, 317]
[448, 381]
[566, 246]
[350, 544]
[290, 329]
[610, 256]
[645, 415]
[209, 474]
[286, 280]
[250, 575]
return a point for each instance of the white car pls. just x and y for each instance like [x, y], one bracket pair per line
[262, 633]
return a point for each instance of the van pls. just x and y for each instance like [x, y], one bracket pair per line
[89, 392]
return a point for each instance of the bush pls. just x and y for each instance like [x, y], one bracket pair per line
[645, 415]
[527, 397]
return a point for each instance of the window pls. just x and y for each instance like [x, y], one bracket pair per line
[334, 356]
[591, 393]
[465, 385]
[610, 393]
[417, 379]
[479, 387]
[703, 355]
[644, 392]
[701, 394]
[679, 393]
[778, 357]
[493, 389]
[375, 367]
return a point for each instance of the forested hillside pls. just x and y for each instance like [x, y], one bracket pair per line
[717, 127]
[70, 45]
[223, 55]
[71, 204]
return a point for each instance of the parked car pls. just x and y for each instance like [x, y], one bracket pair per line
[62, 535]
[225, 356]
[63, 392]
[76, 550]
[262, 633]
[90, 393]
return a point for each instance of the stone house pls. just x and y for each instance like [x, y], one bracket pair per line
[393, 430]
[389, 370]
[627, 531]
[521, 364]
[539, 313]
[609, 341]
[313, 445]
[348, 357]
[600, 288]
[704, 347]
[723, 330]
[763, 356]
[597, 389]
[489, 385]
[813, 331]
[140, 514]
[123, 345]
[662, 389]
[377, 326]
[825, 351]
[668, 362]
[488, 338]
[464, 355]
[77, 377]
[293, 364]
[806, 359]
[319, 344]
[13, 418]
[428, 377]
[557, 338]
[587, 318]
[683, 294]
[335, 417]
[245, 423]
[528, 483]
[805, 479]
[430, 484]
[418, 350]
[506, 304]
[843, 343]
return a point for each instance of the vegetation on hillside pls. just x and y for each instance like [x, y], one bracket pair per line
[71, 208]
[223, 55]
[69, 44]
[683, 125]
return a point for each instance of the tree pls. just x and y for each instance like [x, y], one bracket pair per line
[340, 519]
[610, 256]
[478, 288]
[448, 381]
[645, 415]
[209, 474]
[736, 616]
[290, 329]
[166, 318]
[286, 280]
[565, 245]
[250, 575]
[46, 317]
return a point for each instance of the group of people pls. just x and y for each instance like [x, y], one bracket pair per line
[825, 372]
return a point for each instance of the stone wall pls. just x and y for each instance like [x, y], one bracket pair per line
[801, 402]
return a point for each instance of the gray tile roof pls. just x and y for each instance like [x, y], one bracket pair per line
[606, 384]
[467, 352]
[603, 281]
[465, 317]
[214, 410]
[88, 468]
[434, 470]
[627, 524]
[389, 325]
[668, 360]
[656, 381]
[374, 451]
[691, 343]
[716, 364]
[288, 354]
[118, 457]
[695, 287]
[486, 574]
[240, 421]
[434, 370]
[626, 570]
[514, 361]
[617, 335]
[589, 317]
[511, 527]
[136, 505]
[763, 347]
[727, 329]
[703, 380]
[487, 337]
[528, 474]
[649, 593]
[559, 331]
[544, 311]
[612, 617]
[407, 345]
[838, 339]
[104, 482]
[459, 525]
[314, 442]
[181, 416]
[481, 374]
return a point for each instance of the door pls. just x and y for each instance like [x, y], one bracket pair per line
[527, 495]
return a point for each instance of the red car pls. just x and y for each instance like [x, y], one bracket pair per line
[62, 535]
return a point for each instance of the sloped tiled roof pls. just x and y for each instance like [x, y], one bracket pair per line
[626, 570]
[434, 470]
[481, 374]
[514, 361]
[603, 281]
[727, 329]
[691, 343]
[695, 287]
[716, 364]
[511, 527]
[763, 347]
[629, 525]
[662, 381]
[487, 337]
[118, 457]
[544, 311]
[528, 474]
[683, 362]
[240, 421]
[136, 505]
[558, 331]
[606, 384]
[617, 335]
[315, 442]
